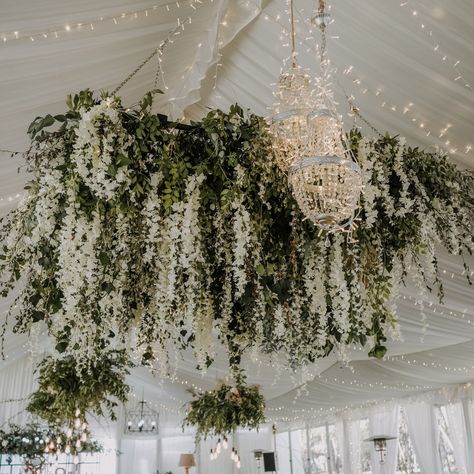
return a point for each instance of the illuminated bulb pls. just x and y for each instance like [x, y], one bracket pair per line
[77, 423]
[78, 444]
[69, 433]
[84, 437]
[76, 460]
[211, 456]
[67, 450]
[225, 444]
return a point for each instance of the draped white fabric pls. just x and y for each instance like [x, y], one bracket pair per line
[394, 65]
[16, 383]
[424, 434]
[37, 75]
[385, 422]
[459, 430]
[349, 441]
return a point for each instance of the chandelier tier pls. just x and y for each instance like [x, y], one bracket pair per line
[323, 174]
[291, 107]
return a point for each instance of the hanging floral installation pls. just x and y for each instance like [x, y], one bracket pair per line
[137, 236]
[67, 394]
[221, 411]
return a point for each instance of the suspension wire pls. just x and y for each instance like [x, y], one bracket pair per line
[293, 33]
[155, 52]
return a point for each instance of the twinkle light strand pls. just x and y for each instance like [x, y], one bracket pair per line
[437, 49]
[357, 81]
[159, 51]
[330, 413]
[87, 25]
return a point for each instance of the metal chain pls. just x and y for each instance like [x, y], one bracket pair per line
[154, 53]
[357, 113]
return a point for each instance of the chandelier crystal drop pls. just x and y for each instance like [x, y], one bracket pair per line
[325, 179]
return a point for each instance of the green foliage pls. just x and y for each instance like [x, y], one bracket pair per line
[221, 411]
[30, 441]
[64, 388]
[297, 296]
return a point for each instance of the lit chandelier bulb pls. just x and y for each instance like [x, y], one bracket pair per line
[67, 450]
[78, 412]
[76, 460]
[78, 444]
[69, 433]
[84, 437]
[232, 454]
[211, 456]
[77, 423]
[225, 444]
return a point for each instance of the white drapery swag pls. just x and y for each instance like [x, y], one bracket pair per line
[424, 434]
[349, 441]
[385, 423]
[460, 432]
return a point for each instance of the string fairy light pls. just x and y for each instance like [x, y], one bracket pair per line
[437, 48]
[408, 109]
[91, 25]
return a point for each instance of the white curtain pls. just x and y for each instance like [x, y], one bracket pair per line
[349, 442]
[424, 434]
[16, 383]
[139, 455]
[245, 443]
[385, 423]
[459, 432]
[170, 450]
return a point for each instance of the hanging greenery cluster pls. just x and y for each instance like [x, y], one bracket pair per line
[32, 444]
[66, 394]
[221, 411]
[138, 236]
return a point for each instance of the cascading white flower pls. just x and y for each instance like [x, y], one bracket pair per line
[101, 149]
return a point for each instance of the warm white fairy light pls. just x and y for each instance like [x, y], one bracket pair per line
[91, 25]
[439, 50]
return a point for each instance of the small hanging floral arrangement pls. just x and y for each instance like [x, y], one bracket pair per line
[221, 411]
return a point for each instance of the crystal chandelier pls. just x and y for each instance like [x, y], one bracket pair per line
[325, 179]
[290, 109]
[142, 420]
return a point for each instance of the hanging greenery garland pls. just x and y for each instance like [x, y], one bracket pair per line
[140, 236]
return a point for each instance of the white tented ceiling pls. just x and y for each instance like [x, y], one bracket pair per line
[408, 66]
